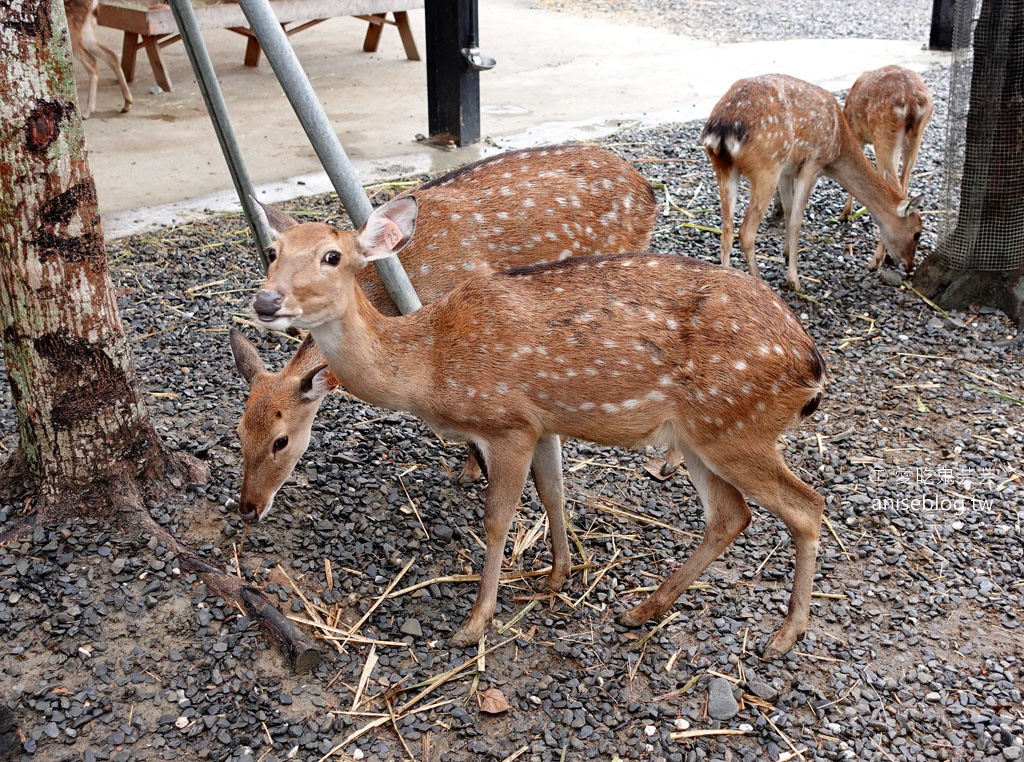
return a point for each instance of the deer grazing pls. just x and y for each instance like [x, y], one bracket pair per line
[780, 131]
[514, 209]
[889, 108]
[625, 349]
[81, 15]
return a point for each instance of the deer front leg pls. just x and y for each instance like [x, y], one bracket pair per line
[508, 462]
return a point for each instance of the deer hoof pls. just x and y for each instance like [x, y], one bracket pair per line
[659, 469]
[552, 583]
[465, 637]
[780, 645]
[629, 618]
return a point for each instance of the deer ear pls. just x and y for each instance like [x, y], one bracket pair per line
[247, 358]
[277, 221]
[389, 229]
[907, 206]
[317, 383]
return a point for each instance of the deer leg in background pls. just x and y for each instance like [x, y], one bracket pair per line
[727, 516]
[508, 463]
[803, 185]
[547, 477]
[762, 187]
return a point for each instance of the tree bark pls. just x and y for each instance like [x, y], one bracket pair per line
[982, 260]
[86, 441]
[87, 446]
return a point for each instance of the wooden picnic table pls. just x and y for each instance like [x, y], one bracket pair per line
[151, 26]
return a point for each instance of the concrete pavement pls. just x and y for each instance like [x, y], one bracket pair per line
[559, 77]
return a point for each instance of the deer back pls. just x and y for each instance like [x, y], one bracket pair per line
[767, 122]
[524, 207]
[621, 350]
[888, 101]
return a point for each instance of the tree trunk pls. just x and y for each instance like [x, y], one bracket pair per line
[982, 260]
[87, 446]
[86, 439]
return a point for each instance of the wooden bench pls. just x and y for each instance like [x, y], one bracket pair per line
[151, 26]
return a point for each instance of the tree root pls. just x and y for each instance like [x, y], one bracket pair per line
[300, 651]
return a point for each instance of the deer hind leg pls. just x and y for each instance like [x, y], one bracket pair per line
[762, 187]
[110, 57]
[911, 148]
[766, 479]
[91, 64]
[728, 178]
[887, 158]
[803, 184]
[508, 462]
[727, 515]
[547, 477]
[93, 49]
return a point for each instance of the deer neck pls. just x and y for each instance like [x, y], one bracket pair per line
[369, 352]
[852, 170]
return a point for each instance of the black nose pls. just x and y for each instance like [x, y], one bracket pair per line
[267, 303]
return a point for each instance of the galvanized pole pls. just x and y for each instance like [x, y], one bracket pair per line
[321, 134]
[185, 18]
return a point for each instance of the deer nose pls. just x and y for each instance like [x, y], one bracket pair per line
[267, 303]
[248, 513]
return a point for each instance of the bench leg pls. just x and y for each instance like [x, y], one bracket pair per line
[252, 52]
[129, 49]
[375, 26]
[152, 46]
[402, 22]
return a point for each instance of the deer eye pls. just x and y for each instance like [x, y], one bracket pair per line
[917, 237]
[271, 255]
[280, 443]
[332, 258]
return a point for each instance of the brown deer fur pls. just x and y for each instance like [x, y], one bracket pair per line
[517, 208]
[626, 350]
[777, 130]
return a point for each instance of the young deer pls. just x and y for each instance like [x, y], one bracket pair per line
[781, 131]
[514, 209]
[81, 16]
[889, 108]
[625, 349]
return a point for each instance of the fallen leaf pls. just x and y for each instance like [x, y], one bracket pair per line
[492, 701]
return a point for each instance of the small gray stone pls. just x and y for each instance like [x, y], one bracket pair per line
[412, 627]
[1012, 752]
[763, 690]
[721, 703]
[890, 278]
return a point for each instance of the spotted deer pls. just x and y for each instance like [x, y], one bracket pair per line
[81, 15]
[518, 208]
[780, 131]
[626, 349]
[889, 109]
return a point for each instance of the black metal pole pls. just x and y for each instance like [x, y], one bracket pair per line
[941, 37]
[453, 87]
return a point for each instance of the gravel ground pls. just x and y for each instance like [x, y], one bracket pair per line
[742, 20]
[915, 646]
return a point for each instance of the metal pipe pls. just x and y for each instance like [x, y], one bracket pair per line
[321, 134]
[188, 25]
